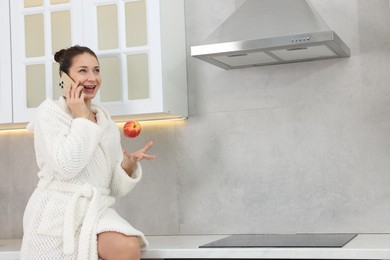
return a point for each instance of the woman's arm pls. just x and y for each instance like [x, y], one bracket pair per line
[128, 171]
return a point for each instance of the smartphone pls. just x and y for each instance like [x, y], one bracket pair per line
[65, 82]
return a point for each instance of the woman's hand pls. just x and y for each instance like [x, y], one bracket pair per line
[75, 100]
[130, 159]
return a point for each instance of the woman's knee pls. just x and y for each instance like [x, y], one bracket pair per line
[130, 248]
[113, 245]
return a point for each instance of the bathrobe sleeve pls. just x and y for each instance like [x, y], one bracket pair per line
[66, 144]
[121, 183]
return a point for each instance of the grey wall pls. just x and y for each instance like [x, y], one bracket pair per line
[290, 148]
[299, 147]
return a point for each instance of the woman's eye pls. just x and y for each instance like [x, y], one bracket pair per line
[82, 71]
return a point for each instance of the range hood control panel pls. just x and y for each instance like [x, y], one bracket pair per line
[301, 39]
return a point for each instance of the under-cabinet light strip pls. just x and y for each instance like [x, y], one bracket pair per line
[20, 128]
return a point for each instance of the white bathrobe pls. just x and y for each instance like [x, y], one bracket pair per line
[80, 177]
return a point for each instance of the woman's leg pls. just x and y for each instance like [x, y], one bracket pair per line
[117, 246]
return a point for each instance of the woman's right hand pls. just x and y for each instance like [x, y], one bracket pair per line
[130, 159]
[75, 100]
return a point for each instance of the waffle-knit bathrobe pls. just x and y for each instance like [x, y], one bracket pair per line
[80, 176]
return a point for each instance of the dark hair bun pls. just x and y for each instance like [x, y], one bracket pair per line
[65, 56]
[58, 55]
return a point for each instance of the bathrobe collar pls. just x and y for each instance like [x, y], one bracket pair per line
[102, 116]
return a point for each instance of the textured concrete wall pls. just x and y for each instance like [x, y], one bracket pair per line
[290, 148]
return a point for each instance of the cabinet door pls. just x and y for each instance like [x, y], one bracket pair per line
[39, 29]
[126, 37]
[5, 65]
[125, 34]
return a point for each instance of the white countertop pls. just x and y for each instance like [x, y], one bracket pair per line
[364, 246]
[9, 249]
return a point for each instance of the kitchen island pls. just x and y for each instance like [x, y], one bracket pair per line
[363, 246]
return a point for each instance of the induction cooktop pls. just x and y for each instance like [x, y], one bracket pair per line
[282, 240]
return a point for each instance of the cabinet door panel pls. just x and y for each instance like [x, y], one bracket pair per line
[38, 31]
[54, 2]
[137, 76]
[32, 3]
[34, 35]
[36, 93]
[136, 24]
[126, 84]
[5, 67]
[60, 30]
[107, 23]
[110, 90]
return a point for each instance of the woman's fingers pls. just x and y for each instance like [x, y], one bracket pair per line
[75, 91]
[78, 92]
[76, 100]
[130, 156]
[149, 156]
[147, 146]
[144, 156]
[145, 149]
[140, 154]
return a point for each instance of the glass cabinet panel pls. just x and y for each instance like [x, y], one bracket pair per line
[136, 24]
[53, 2]
[35, 86]
[5, 68]
[34, 35]
[138, 76]
[60, 30]
[107, 19]
[57, 90]
[111, 85]
[32, 3]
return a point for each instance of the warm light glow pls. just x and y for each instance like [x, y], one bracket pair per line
[156, 121]
[14, 131]
[21, 129]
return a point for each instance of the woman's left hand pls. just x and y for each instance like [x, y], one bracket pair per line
[130, 159]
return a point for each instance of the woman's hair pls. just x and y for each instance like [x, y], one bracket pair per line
[65, 56]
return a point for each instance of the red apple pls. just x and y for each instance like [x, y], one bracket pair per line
[132, 129]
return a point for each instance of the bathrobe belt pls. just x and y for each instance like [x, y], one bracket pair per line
[87, 240]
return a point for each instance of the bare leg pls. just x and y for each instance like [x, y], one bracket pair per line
[117, 246]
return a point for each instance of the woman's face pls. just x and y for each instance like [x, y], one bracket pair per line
[86, 69]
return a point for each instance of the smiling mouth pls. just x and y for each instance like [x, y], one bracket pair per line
[89, 88]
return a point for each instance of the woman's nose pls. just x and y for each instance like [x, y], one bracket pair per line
[91, 76]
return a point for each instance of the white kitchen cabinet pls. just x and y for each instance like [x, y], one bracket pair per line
[38, 29]
[140, 45]
[5, 67]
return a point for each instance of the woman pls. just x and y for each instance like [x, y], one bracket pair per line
[82, 170]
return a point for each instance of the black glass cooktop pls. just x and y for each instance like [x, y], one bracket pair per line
[282, 240]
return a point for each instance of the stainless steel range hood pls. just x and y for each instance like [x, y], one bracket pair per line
[268, 32]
